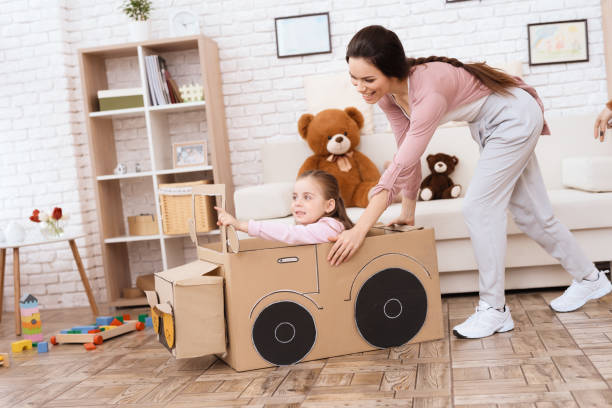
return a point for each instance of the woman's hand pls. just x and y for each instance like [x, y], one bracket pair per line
[406, 216]
[602, 122]
[346, 244]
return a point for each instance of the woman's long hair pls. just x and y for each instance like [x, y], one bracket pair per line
[383, 49]
[331, 190]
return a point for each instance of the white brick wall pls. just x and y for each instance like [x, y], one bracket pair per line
[43, 145]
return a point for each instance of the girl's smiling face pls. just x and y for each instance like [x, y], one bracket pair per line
[309, 204]
[370, 82]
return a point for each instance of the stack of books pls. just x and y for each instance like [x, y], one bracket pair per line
[162, 88]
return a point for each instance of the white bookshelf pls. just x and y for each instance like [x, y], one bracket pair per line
[112, 223]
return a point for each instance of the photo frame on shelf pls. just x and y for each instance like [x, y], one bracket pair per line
[187, 154]
[306, 34]
[558, 42]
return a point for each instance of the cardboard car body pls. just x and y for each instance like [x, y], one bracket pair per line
[258, 303]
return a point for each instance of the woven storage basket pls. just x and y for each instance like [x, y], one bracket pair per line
[175, 202]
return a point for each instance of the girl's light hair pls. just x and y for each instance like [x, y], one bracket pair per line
[331, 190]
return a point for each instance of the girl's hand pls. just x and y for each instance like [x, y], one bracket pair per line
[224, 218]
[602, 122]
[346, 244]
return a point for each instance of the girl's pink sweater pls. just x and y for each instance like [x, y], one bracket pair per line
[316, 233]
[435, 88]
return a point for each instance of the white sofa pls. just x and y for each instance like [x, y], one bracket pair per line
[587, 214]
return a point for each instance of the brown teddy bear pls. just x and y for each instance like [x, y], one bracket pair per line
[439, 184]
[333, 135]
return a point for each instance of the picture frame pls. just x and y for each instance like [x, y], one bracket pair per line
[558, 42]
[306, 34]
[188, 154]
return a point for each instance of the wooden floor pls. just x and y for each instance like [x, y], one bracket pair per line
[549, 360]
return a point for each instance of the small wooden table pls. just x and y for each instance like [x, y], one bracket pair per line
[16, 278]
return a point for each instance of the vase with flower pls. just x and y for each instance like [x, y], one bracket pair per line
[51, 225]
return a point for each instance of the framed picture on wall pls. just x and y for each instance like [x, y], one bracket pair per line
[307, 34]
[187, 154]
[558, 42]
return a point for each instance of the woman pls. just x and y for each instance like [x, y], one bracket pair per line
[506, 119]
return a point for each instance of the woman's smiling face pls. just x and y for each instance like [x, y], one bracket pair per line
[370, 82]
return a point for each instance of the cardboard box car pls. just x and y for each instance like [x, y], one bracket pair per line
[282, 304]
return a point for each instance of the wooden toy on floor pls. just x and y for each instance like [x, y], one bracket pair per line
[4, 360]
[98, 332]
[19, 346]
[42, 347]
[31, 326]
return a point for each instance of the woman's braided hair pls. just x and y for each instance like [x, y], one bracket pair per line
[383, 48]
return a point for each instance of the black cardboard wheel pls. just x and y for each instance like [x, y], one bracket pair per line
[284, 333]
[390, 308]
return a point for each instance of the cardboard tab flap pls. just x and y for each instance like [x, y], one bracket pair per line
[152, 297]
[201, 280]
[187, 271]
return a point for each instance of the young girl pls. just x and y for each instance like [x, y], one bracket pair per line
[317, 208]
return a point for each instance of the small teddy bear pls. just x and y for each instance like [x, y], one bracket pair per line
[439, 185]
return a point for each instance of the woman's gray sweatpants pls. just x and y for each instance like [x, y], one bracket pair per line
[507, 129]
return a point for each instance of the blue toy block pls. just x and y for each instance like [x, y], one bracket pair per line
[149, 322]
[64, 331]
[84, 329]
[43, 347]
[104, 320]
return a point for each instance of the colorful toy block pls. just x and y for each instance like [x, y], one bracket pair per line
[120, 318]
[149, 322]
[19, 346]
[31, 326]
[43, 347]
[116, 322]
[104, 320]
[125, 317]
[89, 346]
[143, 317]
[4, 360]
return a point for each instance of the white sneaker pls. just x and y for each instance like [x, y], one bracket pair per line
[581, 292]
[485, 322]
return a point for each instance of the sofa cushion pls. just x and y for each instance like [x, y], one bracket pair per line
[576, 209]
[264, 201]
[592, 173]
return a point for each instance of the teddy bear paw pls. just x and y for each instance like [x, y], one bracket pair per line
[426, 194]
[455, 191]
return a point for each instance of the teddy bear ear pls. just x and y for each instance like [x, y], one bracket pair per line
[303, 123]
[355, 115]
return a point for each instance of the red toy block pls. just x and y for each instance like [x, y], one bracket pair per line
[126, 317]
[98, 340]
[53, 340]
[140, 326]
[89, 346]
[115, 322]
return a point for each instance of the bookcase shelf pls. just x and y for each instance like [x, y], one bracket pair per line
[150, 132]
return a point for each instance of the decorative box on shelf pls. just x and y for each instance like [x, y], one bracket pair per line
[143, 224]
[112, 99]
[175, 202]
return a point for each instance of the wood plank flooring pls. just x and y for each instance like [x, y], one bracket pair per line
[549, 360]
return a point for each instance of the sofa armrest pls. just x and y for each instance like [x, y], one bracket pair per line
[588, 173]
[264, 201]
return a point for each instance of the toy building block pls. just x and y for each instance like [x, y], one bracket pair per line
[149, 322]
[19, 346]
[104, 320]
[4, 360]
[120, 318]
[97, 338]
[125, 317]
[43, 347]
[143, 318]
[89, 346]
[31, 326]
